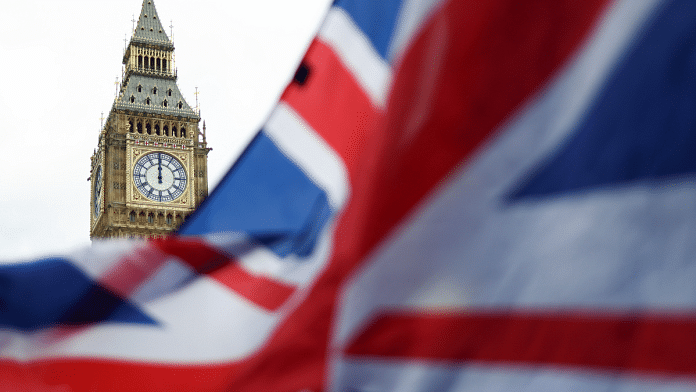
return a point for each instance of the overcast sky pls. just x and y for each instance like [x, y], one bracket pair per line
[60, 60]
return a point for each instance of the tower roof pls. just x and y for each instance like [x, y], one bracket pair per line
[149, 29]
[147, 94]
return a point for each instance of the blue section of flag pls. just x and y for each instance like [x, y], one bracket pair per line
[377, 19]
[643, 125]
[53, 292]
[268, 197]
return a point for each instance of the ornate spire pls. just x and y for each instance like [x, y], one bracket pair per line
[149, 82]
[149, 28]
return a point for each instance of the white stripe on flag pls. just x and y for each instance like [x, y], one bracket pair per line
[356, 52]
[421, 376]
[412, 15]
[302, 145]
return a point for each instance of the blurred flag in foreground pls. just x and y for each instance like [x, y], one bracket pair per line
[451, 195]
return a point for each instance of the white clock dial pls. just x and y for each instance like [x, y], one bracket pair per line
[97, 192]
[160, 177]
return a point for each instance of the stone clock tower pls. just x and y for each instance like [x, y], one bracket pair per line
[149, 170]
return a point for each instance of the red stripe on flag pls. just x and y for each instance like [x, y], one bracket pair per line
[193, 251]
[84, 375]
[333, 103]
[643, 343]
[262, 291]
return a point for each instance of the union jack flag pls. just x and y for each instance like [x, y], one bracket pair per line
[450, 195]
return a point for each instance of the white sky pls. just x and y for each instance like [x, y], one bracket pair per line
[59, 62]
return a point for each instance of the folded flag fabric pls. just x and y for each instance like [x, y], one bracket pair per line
[450, 196]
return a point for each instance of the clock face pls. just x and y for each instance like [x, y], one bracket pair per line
[159, 177]
[97, 191]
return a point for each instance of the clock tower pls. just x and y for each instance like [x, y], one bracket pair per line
[149, 170]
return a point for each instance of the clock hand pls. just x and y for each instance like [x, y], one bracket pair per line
[159, 167]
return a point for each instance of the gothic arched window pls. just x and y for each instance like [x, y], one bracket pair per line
[132, 99]
[164, 65]
[165, 103]
[147, 101]
[174, 131]
[148, 128]
[140, 61]
[166, 129]
[169, 219]
[131, 216]
[140, 88]
[130, 125]
[140, 127]
[151, 218]
[181, 105]
[147, 62]
[183, 132]
[154, 90]
[157, 129]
